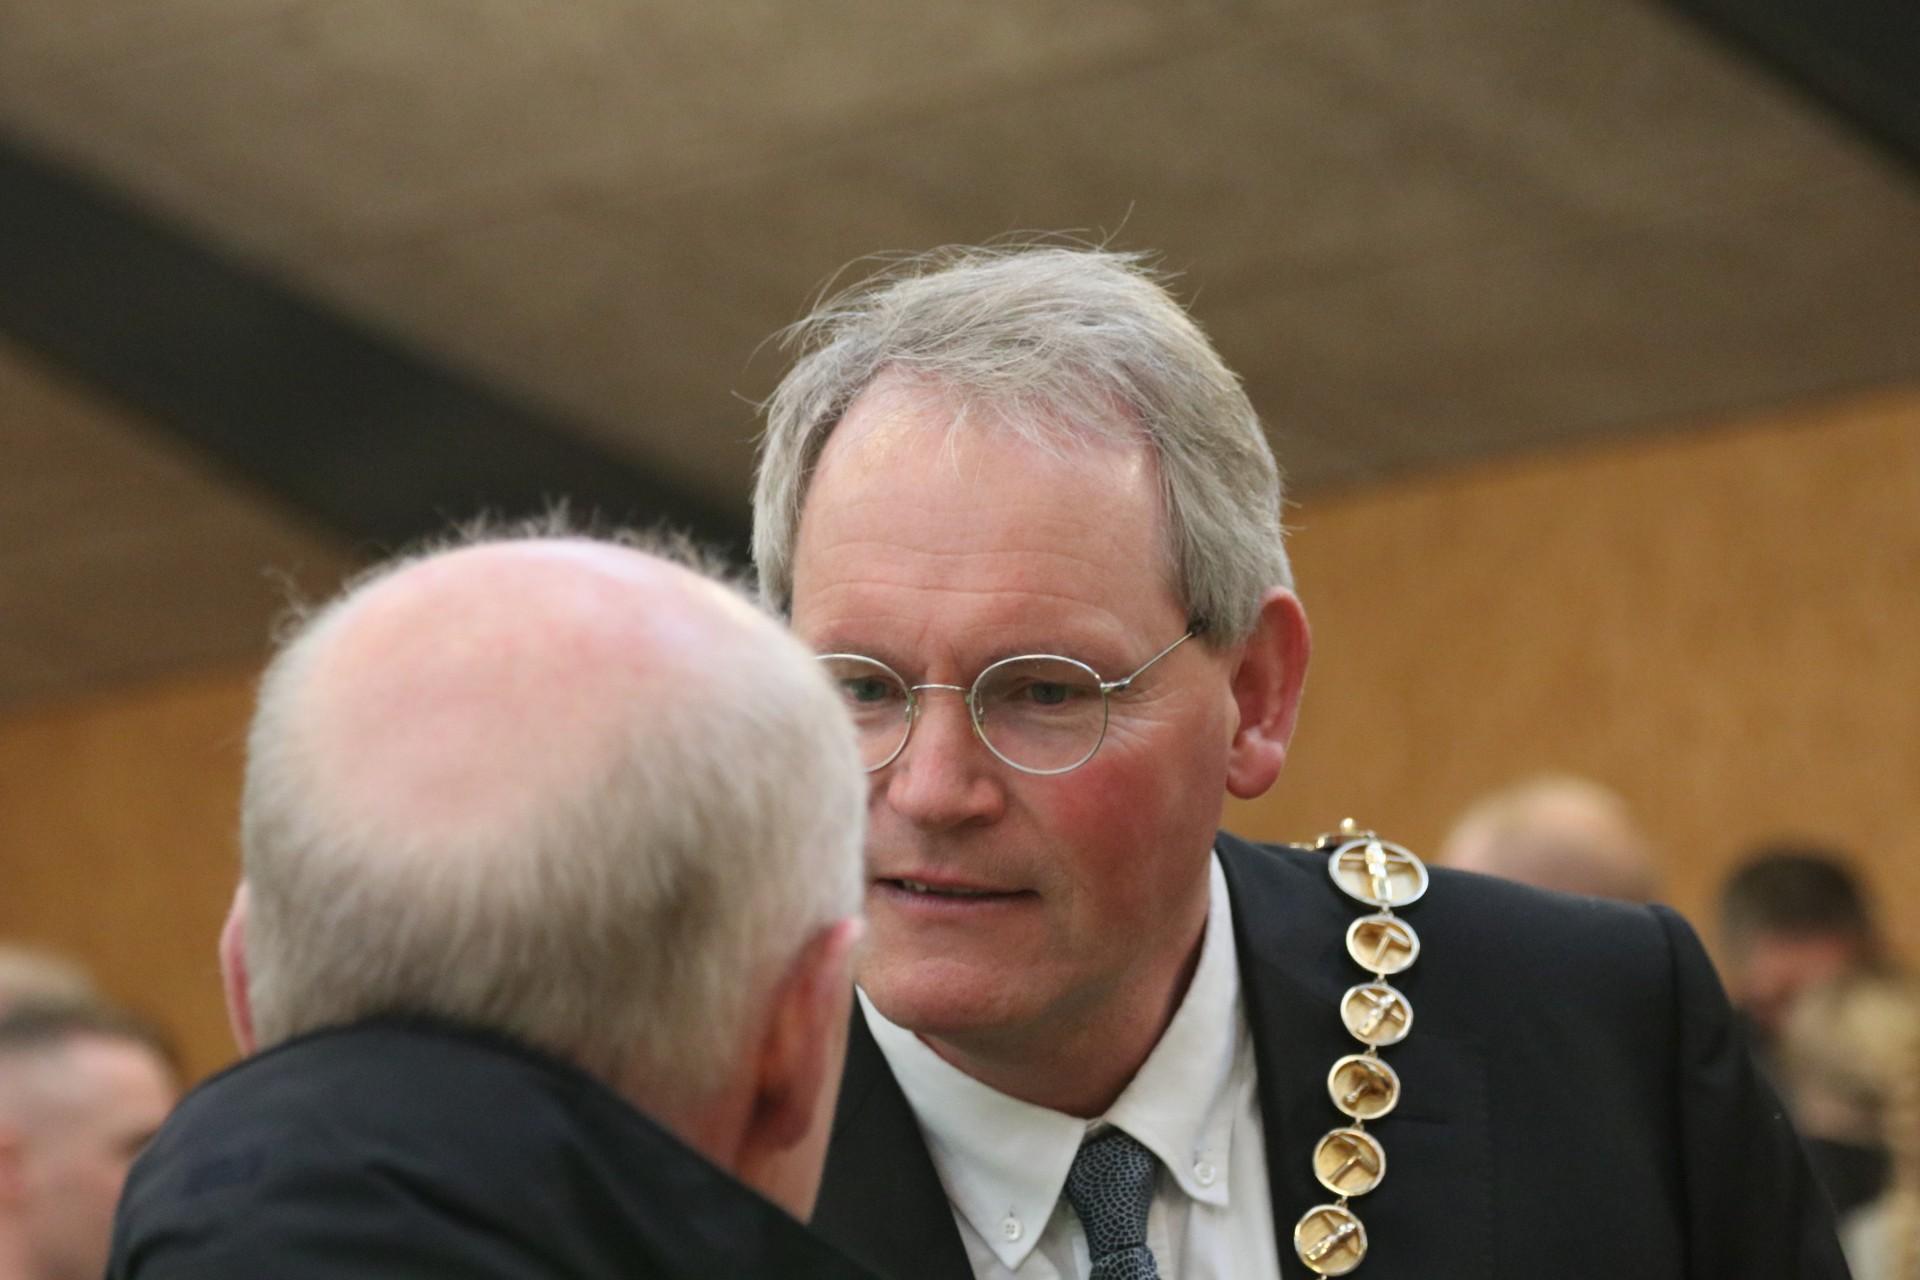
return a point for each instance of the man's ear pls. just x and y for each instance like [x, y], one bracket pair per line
[1267, 682]
[800, 1055]
[233, 972]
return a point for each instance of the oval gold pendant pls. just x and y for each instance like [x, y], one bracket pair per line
[1349, 1162]
[1383, 944]
[1330, 1240]
[1378, 873]
[1363, 1087]
[1376, 1014]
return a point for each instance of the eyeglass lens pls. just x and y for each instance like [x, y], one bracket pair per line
[1041, 714]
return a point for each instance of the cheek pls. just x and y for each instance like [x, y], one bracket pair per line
[1167, 776]
[1128, 811]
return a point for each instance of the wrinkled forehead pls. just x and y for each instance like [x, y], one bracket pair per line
[914, 522]
[907, 450]
[80, 1080]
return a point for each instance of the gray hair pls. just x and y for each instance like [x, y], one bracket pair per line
[631, 925]
[44, 1024]
[1049, 340]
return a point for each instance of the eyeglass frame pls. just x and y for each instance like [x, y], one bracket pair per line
[1107, 689]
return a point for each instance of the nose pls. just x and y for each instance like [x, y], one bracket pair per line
[945, 777]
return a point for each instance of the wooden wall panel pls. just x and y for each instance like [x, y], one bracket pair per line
[1725, 626]
[117, 845]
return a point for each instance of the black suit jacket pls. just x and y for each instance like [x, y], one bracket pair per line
[1576, 1100]
[406, 1150]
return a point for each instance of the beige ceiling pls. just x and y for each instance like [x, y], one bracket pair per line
[1424, 232]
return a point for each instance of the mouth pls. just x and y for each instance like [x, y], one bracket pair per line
[906, 889]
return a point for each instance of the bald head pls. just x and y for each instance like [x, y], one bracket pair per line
[555, 787]
[470, 693]
[1556, 832]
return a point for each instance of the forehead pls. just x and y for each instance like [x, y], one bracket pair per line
[923, 510]
[92, 1081]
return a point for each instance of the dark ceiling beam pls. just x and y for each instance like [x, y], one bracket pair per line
[375, 442]
[1859, 57]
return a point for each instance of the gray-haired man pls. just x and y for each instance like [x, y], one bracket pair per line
[1032, 525]
[541, 950]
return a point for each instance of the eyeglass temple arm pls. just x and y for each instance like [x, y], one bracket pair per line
[1118, 686]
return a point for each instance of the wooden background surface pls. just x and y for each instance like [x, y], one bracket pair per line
[1724, 626]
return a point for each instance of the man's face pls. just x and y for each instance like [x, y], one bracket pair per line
[1773, 969]
[108, 1097]
[1058, 901]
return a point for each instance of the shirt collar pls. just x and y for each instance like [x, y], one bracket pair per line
[1004, 1162]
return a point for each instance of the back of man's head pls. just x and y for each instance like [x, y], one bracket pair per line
[82, 1088]
[551, 787]
[1792, 916]
[1556, 832]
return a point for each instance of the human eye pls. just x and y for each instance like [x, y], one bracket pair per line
[1039, 686]
[867, 691]
[864, 686]
[1047, 693]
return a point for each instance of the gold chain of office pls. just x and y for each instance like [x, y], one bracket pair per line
[1349, 1161]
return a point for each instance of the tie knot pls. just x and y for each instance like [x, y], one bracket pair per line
[1111, 1187]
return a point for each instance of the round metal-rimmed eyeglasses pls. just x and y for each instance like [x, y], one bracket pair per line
[1040, 713]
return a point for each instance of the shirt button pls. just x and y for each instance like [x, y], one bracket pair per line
[1010, 1227]
[1204, 1173]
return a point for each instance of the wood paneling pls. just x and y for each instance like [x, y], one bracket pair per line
[1724, 626]
[117, 822]
[127, 557]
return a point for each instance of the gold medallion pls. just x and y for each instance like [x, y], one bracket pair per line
[1377, 873]
[1349, 1162]
[1363, 1087]
[1330, 1240]
[1383, 944]
[1376, 1014]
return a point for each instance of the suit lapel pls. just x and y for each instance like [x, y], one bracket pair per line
[881, 1201]
[1432, 1214]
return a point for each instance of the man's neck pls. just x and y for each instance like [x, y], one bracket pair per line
[1078, 1066]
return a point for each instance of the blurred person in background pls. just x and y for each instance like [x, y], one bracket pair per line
[28, 973]
[1556, 832]
[83, 1088]
[1851, 1051]
[1792, 916]
[551, 866]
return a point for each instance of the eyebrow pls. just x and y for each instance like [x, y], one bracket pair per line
[997, 654]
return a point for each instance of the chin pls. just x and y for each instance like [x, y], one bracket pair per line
[934, 997]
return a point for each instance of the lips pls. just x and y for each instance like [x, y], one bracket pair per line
[914, 889]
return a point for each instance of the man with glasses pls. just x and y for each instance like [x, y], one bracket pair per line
[1031, 524]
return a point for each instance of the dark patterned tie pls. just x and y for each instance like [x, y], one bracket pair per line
[1111, 1188]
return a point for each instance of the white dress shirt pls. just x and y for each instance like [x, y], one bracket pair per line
[1193, 1104]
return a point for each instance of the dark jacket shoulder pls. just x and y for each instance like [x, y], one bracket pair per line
[1576, 1085]
[409, 1150]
